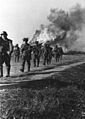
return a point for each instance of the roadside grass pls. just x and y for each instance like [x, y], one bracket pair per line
[48, 103]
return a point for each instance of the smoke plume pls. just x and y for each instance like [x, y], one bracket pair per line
[78, 17]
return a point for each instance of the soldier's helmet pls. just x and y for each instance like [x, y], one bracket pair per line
[4, 33]
[25, 39]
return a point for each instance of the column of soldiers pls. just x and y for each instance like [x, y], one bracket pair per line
[27, 53]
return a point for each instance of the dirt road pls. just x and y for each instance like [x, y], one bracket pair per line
[43, 72]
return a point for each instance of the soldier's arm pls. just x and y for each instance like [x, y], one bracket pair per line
[10, 47]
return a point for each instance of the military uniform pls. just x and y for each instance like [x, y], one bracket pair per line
[16, 53]
[1, 58]
[50, 55]
[60, 52]
[46, 54]
[6, 52]
[56, 53]
[36, 54]
[26, 54]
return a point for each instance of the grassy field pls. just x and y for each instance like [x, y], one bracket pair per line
[50, 102]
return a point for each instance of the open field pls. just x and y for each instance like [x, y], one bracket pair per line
[52, 92]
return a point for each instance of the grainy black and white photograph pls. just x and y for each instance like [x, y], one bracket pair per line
[42, 59]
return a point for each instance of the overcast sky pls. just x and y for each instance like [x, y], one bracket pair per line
[20, 18]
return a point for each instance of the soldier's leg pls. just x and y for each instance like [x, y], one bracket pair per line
[44, 62]
[38, 61]
[59, 58]
[7, 62]
[15, 58]
[18, 58]
[50, 58]
[23, 64]
[47, 60]
[1, 65]
[28, 63]
[1, 68]
[56, 57]
[34, 61]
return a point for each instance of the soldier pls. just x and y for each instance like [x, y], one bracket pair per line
[56, 53]
[26, 54]
[36, 54]
[16, 53]
[50, 54]
[6, 52]
[1, 57]
[60, 52]
[46, 54]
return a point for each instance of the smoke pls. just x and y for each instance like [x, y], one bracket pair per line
[79, 44]
[73, 23]
[78, 17]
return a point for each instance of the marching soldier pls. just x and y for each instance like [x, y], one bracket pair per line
[56, 53]
[16, 53]
[6, 52]
[26, 54]
[50, 54]
[1, 57]
[46, 54]
[61, 52]
[36, 54]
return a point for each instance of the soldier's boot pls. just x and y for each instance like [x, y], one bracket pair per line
[44, 63]
[22, 67]
[8, 72]
[1, 71]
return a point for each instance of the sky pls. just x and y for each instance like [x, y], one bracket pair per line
[20, 18]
